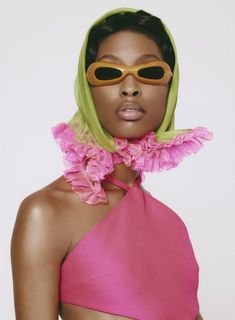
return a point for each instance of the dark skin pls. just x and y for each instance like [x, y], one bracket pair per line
[53, 220]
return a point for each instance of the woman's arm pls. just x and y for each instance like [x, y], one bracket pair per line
[37, 249]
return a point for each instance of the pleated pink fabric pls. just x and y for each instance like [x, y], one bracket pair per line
[138, 262]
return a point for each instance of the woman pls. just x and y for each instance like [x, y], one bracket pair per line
[94, 244]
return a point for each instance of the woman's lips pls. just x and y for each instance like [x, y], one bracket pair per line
[130, 111]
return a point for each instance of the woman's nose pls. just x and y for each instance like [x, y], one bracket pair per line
[129, 87]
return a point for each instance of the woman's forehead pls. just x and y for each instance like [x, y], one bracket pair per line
[128, 46]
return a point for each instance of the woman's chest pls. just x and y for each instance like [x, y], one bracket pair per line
[81, 218]
[137, 262]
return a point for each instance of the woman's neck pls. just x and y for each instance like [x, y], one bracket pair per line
[124, 173]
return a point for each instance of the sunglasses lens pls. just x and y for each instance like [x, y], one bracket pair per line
[154, 72]
[106, 73]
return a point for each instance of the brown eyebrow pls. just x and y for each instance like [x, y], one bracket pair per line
[109, 56]
[144, 56]
[148, 55]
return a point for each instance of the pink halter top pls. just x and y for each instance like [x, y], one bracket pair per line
[138, 262]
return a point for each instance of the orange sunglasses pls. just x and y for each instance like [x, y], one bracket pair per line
[103, 73]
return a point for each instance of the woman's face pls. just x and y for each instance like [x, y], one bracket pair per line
[129, 109]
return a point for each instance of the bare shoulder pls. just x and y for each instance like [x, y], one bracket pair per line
[40, 205]
[48, 196]
[42, 218]
[40, 241]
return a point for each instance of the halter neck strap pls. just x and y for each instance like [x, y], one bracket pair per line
[123, 185]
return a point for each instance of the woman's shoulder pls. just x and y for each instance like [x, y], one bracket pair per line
[40, 240]
[45, 213]
[48, 201]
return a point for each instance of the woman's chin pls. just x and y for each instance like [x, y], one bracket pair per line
[131, 129]
[130, 135]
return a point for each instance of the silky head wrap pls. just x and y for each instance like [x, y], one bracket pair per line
[85, 122]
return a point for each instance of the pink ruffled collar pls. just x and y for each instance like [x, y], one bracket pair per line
[88, 165]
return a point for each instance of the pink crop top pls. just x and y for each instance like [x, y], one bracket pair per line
[138, 262]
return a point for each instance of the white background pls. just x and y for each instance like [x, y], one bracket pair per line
[39, 48]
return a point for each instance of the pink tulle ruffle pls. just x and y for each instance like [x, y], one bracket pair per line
[148, 155]
[88, 165]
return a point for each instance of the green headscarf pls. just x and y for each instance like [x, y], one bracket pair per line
[85, 122]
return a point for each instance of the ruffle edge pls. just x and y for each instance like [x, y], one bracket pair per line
[88, 165]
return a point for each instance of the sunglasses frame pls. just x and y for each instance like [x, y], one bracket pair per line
[133, 70]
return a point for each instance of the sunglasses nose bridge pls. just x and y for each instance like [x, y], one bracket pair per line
[129, 75]
[129, 71]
